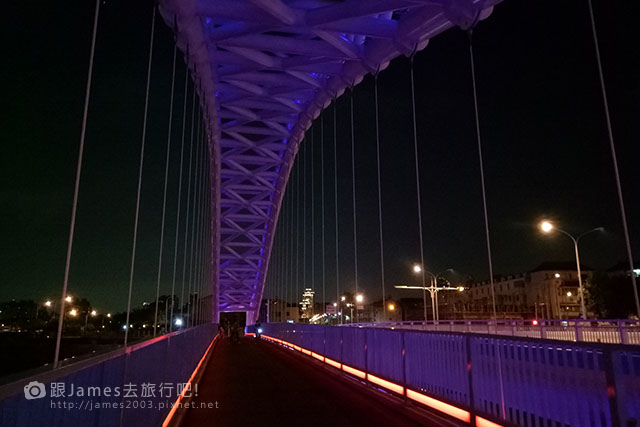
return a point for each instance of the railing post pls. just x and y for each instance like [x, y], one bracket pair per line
[467, 344]
[578, 328]
[543, 331]
[623, 331]
[366, 349]
[404, 366]
[341, 351]
[612, 392]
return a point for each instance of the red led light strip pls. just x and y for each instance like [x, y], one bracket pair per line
[423, 399]
[481, 422]
[167, 420]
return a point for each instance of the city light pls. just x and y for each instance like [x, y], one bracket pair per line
[93, 313]
[68, 298]
[47, 303]
[109, 315]
[569, 293]
[557, 275]
[124, 327]
[343, 298]
[73, 312]
[335, 304]
[178, 322]
[417, 268]
[546, 226]
[391, 307]
[460, 288]
[359, 298]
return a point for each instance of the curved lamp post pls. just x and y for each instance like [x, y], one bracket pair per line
[548, 227]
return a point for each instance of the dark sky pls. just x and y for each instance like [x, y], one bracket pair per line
[545, 146]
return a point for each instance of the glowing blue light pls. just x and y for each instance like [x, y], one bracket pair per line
[124, 327]
[178, 322]
[259, 330]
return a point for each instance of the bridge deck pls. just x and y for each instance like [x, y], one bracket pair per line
[256, 383]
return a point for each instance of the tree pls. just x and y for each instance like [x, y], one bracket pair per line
[611, 295]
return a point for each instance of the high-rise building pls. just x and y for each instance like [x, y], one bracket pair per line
[306, 305]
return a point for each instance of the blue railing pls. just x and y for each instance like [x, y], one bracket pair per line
[132, 387]
[506, 380]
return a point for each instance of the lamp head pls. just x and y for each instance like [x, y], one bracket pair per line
[546, 226]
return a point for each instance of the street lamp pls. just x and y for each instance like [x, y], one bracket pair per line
[417, 268]
[73, 312]
[359, 298]
[68, 298]
[47, 303]
[548, 227]
[391, 307]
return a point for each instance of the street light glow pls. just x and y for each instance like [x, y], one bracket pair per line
[343, 298]
[460, 288]
[93, 313]
[73, 312]
[569, 294]
[391, 307]
[178, 322]
[68, 299]
[557, 275]
[417, 268]
[546, 226]
[47, 303]
[109, 315]
[359, 298]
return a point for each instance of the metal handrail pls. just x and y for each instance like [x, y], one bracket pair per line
[613, 331]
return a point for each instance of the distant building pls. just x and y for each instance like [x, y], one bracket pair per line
[550, 291]
[307, 304]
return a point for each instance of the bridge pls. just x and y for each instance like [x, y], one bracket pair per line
[262, 71]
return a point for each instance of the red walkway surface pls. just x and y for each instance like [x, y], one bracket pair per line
[256, 383]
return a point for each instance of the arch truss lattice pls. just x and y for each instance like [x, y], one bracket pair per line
[264, 69]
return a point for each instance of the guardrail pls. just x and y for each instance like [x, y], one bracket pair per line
[136, 386]
[603, 331]
[484, 380]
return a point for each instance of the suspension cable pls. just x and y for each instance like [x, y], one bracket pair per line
[481, 162]
[292, 243]
[418, 196]
[197, 178]
[353, 181]
[335, 201]
[486, 217]
[324, 299]
[186, 219]
[304, 219]
[298, 232]
[74, 205]
[177, 236]
[164, 194]
[196, 190]
[614, 158]
[313, 221]
[375, 83]
[142, 145]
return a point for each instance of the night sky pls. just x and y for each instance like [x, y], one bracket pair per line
[543, 128]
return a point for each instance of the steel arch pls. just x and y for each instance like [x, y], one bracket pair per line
[264, 70]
